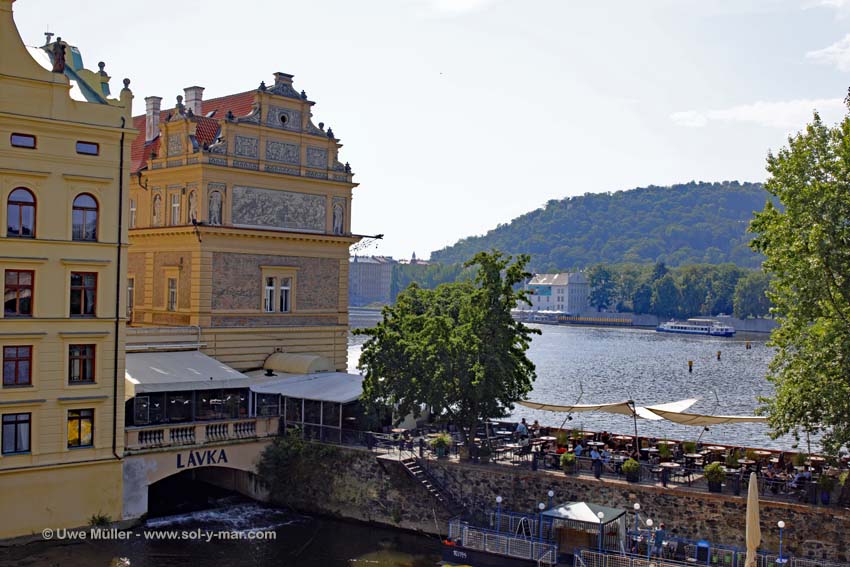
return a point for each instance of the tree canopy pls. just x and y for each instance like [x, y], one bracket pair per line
[807, 245]
[454, 349]
[689, 223]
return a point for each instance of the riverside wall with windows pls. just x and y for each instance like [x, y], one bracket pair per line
[363, 487]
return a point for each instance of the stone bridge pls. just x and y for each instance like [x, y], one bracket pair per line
[222, 453]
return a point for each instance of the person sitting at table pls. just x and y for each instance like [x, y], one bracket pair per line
[535, 428]
[801, 478]
[780, 463]
[578, 450]
[635, 454]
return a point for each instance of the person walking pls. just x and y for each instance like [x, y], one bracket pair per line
[596, 461]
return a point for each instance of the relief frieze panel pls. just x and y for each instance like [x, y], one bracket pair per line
[253, 206]
[284, 118]
[246, 146]
[317, 157]
[175, 144]
[283, 152]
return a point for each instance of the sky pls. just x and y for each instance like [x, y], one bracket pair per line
[459, 115]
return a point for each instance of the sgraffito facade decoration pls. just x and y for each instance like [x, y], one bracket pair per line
[175, 144]
[283, 152]
[317, 157]
[284, 118]
[253, 206]
[245, 146]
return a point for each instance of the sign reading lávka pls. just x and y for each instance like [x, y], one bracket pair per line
[201, 458]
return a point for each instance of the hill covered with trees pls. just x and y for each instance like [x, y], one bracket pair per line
[692, 223]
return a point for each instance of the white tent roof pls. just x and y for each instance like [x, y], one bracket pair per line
[338, 387]
[622, 408]
[181, 370]
[702, 420]
[584, 512]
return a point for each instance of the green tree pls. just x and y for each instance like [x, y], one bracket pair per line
[751, 295]
[807, 245]
[665, 297]
[455, 349]
[659, 270]
[642, 299]
[603, 286]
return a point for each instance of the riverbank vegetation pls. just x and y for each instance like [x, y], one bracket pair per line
[807, 249]
[454, 349]
[686, 291]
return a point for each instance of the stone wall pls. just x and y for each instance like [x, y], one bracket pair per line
[364, 488]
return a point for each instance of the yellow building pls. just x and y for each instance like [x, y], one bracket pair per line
[240, 225]
[64, 182]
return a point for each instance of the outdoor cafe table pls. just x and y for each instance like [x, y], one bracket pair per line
[548, 438]
[716, 448]
[692, 457]
[664, 442]
[666, 468]
[589, 434]
[762, 454]
[596, 443]
[746, 462]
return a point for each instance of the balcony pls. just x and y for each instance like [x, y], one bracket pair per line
[175, 435]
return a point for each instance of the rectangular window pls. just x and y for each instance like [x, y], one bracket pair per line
[88, 148]
[172, 294]
[18, 293]
[23, 141]
[132, 213]
[81, 364]
[80, 428]
[285, 291]
[268, 303]
[175, 209]
[83, 294]
[131, 296]
[16, 433]
[17, 366]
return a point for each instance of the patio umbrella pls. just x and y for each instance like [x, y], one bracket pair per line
[753, 528]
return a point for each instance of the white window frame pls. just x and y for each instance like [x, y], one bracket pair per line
[175, 209]
[285, 295]
[171, 299]
[132, 213]
[131, 295]
[278, 289]
[269, 292]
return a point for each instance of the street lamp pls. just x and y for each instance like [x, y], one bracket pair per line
[600, 515]
[781, 525]
[551, 495]
[541, 507]
[498, 513]
[648, 539]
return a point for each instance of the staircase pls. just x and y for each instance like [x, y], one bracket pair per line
[415, 470]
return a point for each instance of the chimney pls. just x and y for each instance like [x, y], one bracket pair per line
[194, 99]
[283, 79]
[152, 110]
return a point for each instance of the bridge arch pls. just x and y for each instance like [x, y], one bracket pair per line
[231, 466]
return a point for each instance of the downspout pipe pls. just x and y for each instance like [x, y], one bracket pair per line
[118, 293]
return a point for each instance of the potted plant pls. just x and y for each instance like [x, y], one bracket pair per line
[750, 454]
[799, 459]
[714, 475]
[568, 462]
[732, 459]
[664, 452]
[689, 446]
[441, 444]
[826, 484]
[631, 468]
[562, 438]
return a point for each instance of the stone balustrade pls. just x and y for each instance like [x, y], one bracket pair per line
[138, 439]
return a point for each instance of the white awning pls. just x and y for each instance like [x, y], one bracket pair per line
[702, 420]
[178, 371]
[621, 408]
[338, 387]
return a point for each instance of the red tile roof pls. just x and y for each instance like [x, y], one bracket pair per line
[240, 104]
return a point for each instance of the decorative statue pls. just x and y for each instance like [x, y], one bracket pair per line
[215, 207]
[338, 219]
[193, 208]
[157, 210]
[58, 56]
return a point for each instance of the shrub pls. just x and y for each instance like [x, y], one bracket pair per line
[826, 483]
[630, 467]
[714, 473]
[799, 459]
[732, 459]
[562, 438]
[568, 461]
[443, 440]
[100, 520]
[664, 450]
[689, 446]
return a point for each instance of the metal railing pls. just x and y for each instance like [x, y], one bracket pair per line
[519, 547]
[714, 556]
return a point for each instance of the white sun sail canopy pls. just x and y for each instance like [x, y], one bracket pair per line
[703, 420]
[673, 411]
[621, 408]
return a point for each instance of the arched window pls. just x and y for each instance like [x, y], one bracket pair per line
[84, 219]
[20, 214]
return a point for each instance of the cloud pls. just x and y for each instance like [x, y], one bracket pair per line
[789, 115]
[455, 7]
[837, 54]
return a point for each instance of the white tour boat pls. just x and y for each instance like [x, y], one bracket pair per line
[697, 327]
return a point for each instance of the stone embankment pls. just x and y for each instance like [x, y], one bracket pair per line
[376, 489]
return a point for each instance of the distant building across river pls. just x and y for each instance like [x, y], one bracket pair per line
[566, 292]
[370, 279]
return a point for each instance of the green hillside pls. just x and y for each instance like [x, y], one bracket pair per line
[691, 223]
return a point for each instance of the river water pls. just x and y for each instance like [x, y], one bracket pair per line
[591, 365]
